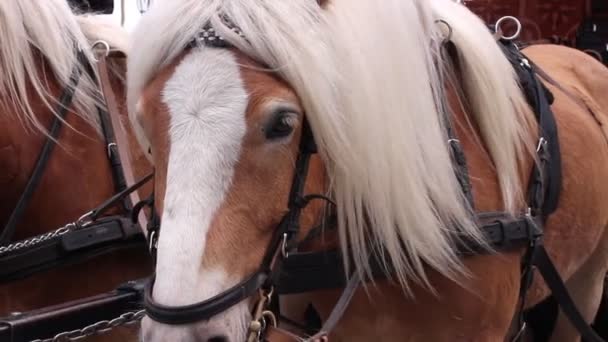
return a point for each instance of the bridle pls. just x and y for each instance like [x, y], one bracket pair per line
[284, 241]
[284, 270]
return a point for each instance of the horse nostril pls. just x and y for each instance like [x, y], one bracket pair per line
[218, 339]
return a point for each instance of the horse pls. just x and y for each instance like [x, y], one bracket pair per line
[237, 100]
[38, 54]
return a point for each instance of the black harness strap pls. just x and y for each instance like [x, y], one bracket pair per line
[545, 182]
[43, 158]
[313, 271]
[543, 194]
[459, 160]
[542, 261]
[84, 239]
[99, 238]
[49, 322]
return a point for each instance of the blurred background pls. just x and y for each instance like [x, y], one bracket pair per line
[125, 12]
[582, 24]
[132, 12]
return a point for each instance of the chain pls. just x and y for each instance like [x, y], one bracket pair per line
[37, 239]
[128, 318]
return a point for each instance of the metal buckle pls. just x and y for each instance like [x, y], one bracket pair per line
[110, 151]
[542, 143]
[534, 231]
[104, 45]
[448, 37]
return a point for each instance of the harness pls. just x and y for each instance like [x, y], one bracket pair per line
[285, 270]
[91, 235]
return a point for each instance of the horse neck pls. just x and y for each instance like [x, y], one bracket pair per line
[389, 302]
[78, 176]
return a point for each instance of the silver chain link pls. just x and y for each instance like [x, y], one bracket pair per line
[36, 240]
[126, 319]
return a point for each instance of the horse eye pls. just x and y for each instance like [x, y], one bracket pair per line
[281, 125]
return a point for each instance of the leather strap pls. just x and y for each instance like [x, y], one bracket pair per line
[554, 281]
[121, 138]
[545, 182]
[76, 246]
[203, 310]
[338, 310]
[50, 321]
[311, 271]
[90, 236]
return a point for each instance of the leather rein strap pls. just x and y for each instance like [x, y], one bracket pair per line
[120, 156]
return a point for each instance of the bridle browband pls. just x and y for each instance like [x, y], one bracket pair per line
[284, 270]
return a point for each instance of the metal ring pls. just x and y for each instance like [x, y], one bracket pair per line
[110, 146]
[268, 315]
[85, 220]
[450, 30]
[515, 20]
[104, 44]
[542, 142]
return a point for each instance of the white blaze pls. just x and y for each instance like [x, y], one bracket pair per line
[207, 101]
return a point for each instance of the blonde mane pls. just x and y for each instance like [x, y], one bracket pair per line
[365, 72]
[31, 29]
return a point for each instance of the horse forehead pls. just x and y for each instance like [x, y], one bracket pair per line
[152, 105]
[263, 86]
